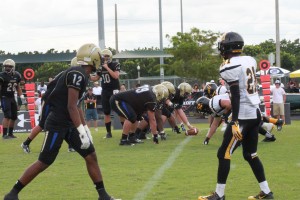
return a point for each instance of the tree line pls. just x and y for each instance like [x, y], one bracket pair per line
[195, 57]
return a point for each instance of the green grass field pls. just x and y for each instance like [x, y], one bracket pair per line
[181, 168]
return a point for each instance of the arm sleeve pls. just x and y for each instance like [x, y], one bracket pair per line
[235, 99]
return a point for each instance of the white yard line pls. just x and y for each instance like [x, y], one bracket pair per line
[160, 172]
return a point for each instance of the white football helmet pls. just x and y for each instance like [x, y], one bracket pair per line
[171, 89]
[9, 66]
[185, 89]
[89, 54]
[161, 92]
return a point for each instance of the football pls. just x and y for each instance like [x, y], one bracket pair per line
[193, 131]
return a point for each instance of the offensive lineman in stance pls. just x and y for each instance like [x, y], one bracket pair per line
[65, 122]
[239, 73]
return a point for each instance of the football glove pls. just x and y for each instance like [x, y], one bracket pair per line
[85, 141]
[88, 133]
[236, 130]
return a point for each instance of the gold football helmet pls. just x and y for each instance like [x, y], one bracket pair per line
[185, 89]
[74, 62]
[9, 66]
[161, 92]
[107, 52]
[171, 89]
[89, 54]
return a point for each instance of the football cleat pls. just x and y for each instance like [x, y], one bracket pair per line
[182, 127]
[11, 196]
[125, 143]
[279, 124]
[262, 195]
[25, 148]
[108, 135]
[272, 139]
[213, 196]
[163, 136]
[12, 136]
[71, 150]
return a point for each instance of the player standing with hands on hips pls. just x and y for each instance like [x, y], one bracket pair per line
[65, 122]
[9, 84]
[239, 73]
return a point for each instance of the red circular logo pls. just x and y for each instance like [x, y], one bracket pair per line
[28, 74]
[264, 65]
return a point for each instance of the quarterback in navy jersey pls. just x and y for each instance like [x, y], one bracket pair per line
[66, 122]
[110, 85]
[9, 83]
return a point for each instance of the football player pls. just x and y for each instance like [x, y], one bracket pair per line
[45, 111]
[9, 84]
[220, 108]
[182, 92]
[132, 104]
[65, 122]
[239, 73]
[110, 85]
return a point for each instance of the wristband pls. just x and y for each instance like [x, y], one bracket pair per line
[81, 129]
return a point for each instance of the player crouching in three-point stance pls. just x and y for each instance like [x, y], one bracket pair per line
[239, 73]
[132, 104]
[65, 122]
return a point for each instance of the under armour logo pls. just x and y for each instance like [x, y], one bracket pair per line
[22, 119]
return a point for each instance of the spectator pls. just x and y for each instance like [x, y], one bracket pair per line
[279, 98]
[41, 87]
[38, 104]
[97, 91]
[195, 88]
[122, 88]
[90, 106]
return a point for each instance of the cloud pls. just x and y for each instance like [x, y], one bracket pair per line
[29, 25]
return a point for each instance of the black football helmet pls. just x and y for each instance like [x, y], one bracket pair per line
[230, 42]
[202, 106]
[210, 90]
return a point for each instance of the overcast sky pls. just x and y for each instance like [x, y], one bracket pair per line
[32, 25]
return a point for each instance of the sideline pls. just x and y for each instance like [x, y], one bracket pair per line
[160, 172]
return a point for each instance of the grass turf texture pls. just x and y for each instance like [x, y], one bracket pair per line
[127, 170]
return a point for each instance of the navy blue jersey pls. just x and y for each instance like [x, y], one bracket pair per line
[9, 83]
[141, 99]
[107, 81]
[74, 77]
[177, 100]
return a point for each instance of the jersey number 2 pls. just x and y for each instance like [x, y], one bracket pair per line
[77, 79]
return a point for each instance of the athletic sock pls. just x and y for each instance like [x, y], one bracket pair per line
[124, 137]
[27, 141]
[10, 130]
[220, 189]
[17, 187]
[264, 187]
[4, 131]
[101, 190]
[108, 127]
